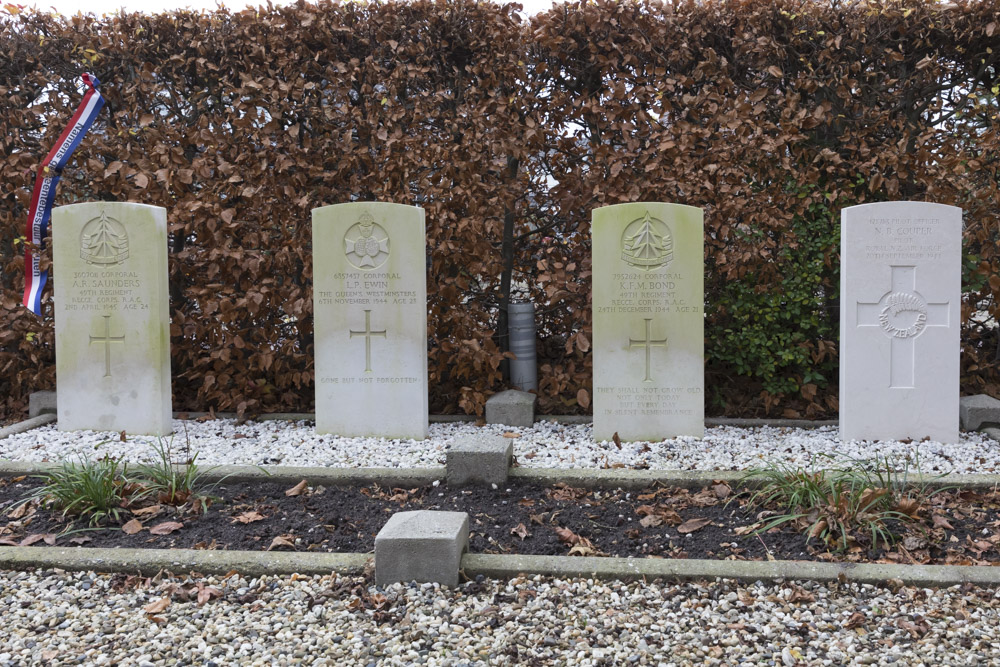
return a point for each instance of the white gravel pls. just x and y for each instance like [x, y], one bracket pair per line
[545, 445]
[59, 618]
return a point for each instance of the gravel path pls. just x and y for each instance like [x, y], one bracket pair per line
[59, 618]
[547, 445]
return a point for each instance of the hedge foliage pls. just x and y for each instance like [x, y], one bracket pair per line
[771, 115]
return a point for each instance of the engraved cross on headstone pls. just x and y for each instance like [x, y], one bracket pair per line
[107, 340]
[647, 343]
[368, 333]
[902, 314]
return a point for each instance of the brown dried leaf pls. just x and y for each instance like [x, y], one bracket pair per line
[248, 517]
[691, 525]
[166, 528]
[157, 606]
[282, 541]
[147, 511]
[132, 527]
[298, 489]
[521, 531]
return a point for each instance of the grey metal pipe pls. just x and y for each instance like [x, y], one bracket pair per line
[521, 324]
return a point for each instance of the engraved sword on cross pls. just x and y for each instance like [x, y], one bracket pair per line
[902, 313]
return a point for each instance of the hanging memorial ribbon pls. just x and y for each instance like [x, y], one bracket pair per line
[45, 191]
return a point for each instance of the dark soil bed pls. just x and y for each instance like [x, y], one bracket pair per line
[952, 527]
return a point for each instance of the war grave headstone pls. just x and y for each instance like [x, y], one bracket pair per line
[112, 317]
[900, 287]
[648, 287]
[370, 315]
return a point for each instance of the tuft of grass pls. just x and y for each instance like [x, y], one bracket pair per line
[844, 503]
[95, 489]
[170, 483]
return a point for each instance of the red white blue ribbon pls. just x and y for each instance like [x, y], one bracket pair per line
[45, 191]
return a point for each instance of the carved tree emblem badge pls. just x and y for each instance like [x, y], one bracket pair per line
[366, 243]
[104, 241]
[647, 243]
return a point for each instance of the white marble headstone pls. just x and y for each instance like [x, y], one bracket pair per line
[648, 295]
[112, 317]
[370, 315]
[900, 291]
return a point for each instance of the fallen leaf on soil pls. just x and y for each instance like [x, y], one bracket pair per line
[722, 489]
[19, 511]
[132, 527]
[692, 525]
[584, 550]
[80, 540]
[205, 546]
[248, 517]
[156, 606]
[147, 511]
[282, 541]
[650, 521]
[521, 531]
[909, 506]
[914, 542]
[6, 541]
[49, 538]
[566, 535]
[298, 489]
[166, 527]
[941, 522]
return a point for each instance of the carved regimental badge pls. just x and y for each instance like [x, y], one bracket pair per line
[104, 241]
[647, 243]
[366, 244]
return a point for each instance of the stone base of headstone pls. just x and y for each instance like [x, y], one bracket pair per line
[41, 403]
[479, 459]
[974, 411]
[511, 408]
[422, 546]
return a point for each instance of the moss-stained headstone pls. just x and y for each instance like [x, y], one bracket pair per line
[648, 286]
[370, 314]
[112, 317]
[900, 312]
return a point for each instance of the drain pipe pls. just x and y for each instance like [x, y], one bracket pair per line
[521, 325]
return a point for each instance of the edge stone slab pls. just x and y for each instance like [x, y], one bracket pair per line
[648, 296]
[900, 287]
[112, 317]
[370, 315]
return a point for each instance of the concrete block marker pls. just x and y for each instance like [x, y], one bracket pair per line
[974, 411]
[511, 408]
[479, 459]
[41, 403]
[422, 546]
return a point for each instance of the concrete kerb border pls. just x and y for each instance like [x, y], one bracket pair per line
[579, 477]
[27, 425]
[149, 562]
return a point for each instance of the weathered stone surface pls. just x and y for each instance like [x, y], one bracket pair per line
[41, 402]
[483, 458]
[649, 369]
[511, 407]
[370, 317]
[422, 546]
[974, 411]
[900, 289]
[112, 317]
